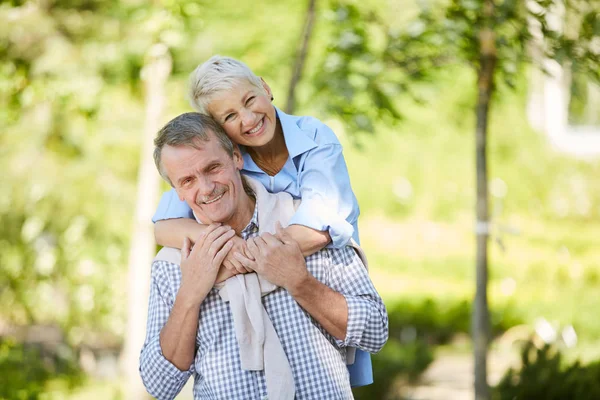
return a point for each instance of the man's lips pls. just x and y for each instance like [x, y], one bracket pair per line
[214, 199]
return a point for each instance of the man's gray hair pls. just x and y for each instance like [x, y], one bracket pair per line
[215, 75]
[186, 130]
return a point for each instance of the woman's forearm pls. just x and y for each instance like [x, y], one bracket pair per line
[172, 232]
[310, 240]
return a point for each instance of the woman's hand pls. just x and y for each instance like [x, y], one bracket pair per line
[278, 259]
[233, 265]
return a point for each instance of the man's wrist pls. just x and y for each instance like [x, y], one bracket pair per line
[303, 287]
[190, 297]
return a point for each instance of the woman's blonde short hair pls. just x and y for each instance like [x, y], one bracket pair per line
[215, 75]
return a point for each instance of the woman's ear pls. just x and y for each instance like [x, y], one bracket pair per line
[267, 88]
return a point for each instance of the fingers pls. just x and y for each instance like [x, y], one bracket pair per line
[270, 240]
[185, 249]
[248, 264]
[212, 240]
[221, 254]
[245, 251]
[281, 233]
[229, 265]
[253, 248]
[202, 236]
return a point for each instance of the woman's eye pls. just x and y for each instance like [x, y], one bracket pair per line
[228, 117]
[250, 99]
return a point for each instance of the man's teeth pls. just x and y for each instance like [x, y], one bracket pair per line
[260, 124]
[215, 199]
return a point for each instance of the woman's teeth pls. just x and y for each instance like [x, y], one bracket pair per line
[253, 131]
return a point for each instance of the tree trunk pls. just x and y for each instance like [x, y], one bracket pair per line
[300, 57]
[154, 74]
[481, 323]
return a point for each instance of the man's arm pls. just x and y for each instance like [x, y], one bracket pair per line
[168, 354]
[351, 311]
[280, 260]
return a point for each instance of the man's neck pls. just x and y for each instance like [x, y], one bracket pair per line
[244, 216]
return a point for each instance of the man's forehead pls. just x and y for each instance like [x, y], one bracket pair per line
[195, 155]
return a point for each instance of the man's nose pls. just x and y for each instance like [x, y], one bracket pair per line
[206, 186]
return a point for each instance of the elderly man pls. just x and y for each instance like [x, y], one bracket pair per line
[312, 309]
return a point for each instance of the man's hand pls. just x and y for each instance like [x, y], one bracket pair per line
[233, 265]
[199, 267]
[277, 258]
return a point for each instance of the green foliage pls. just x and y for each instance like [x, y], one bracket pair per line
[26, 370]
[396, 365]
[543, 375]
[372, 60]
[416, 328]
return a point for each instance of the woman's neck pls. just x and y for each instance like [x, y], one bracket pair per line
[271, 157]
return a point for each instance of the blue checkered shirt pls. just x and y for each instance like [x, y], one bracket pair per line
[317, 359]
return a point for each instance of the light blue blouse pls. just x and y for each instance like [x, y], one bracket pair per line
[315, 171]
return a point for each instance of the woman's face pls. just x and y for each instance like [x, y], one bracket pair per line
[246, 114]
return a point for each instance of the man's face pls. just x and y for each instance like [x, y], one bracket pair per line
[208, 179]
[246, 114]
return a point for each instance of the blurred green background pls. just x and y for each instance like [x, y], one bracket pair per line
[72, 112]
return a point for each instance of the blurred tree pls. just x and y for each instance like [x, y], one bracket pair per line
[72, 109]
[301, 53]
[154, 74]
[370, 61]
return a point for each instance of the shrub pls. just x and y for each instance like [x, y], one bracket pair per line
[415, 330]
[26, 369]
[543, 376]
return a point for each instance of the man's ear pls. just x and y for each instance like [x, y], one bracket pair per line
[238, 160]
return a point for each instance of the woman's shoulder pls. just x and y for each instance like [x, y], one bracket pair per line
[316, 130]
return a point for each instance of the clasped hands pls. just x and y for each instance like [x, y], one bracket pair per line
[219, 254]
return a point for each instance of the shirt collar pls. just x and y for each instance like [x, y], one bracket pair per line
[252, 226]
[296, 140]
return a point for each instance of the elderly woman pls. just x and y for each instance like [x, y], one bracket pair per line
[298, 155]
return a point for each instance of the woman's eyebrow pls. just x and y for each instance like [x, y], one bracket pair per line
[230, 110]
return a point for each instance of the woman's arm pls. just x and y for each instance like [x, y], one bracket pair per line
[173, 232]
[328, 202]
[310, 240]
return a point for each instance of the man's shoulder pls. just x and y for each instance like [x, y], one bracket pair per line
[169, 254]
[165, 266]
[346, 255]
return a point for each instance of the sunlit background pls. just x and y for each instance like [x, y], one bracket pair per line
[82, 91]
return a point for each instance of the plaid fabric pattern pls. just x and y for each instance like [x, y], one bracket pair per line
[316, 358]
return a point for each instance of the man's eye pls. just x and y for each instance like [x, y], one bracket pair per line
[186, 181]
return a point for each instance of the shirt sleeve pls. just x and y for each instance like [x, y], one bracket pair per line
[170, 207]
[328, 202]
[161, 378]
[367, 316]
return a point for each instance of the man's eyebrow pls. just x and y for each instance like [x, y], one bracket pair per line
[183, 178]
[211, 164]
